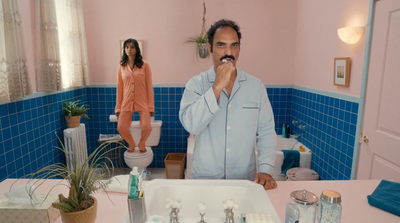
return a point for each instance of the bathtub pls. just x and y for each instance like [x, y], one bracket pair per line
[283, 144]
[290, 144]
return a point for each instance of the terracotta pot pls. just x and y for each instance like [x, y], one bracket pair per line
[73, 122]
[85, 216]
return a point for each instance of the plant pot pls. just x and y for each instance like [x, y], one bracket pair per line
[203, 51]
[73, 122]
[85, 216]
[152, 118]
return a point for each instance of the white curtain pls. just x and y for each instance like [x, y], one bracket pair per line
[63, 41]
[14, 77]
[48, 71]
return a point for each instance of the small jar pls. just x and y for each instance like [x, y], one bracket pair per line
[307, 204]
[330, 210]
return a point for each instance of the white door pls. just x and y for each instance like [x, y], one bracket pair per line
[380, 157]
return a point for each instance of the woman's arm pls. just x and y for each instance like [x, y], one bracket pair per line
[120, 91]
[149, 86]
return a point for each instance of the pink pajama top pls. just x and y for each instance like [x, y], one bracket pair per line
[135, 89]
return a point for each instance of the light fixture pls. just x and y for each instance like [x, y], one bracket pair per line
[351, 34]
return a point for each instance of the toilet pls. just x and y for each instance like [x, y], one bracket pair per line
[136, 158]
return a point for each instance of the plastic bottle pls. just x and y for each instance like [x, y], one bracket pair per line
[133, 186]
[284, 131]
[287, 131]
[292, 213]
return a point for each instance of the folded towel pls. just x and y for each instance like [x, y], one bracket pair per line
[386, 197]
[291, 158]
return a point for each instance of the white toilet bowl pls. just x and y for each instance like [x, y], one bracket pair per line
[136, 158]
[141, 160]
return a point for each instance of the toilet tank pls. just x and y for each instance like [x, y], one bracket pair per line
[155, 134]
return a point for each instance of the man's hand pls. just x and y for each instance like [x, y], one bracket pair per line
[223, 76]
[265, 180]
[117, 113]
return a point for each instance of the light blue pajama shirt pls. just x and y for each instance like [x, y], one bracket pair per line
[228, 130]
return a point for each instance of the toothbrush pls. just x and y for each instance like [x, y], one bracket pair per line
[141, 178]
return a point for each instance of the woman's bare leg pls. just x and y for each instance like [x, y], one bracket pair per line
[145, 126]
[124, 123]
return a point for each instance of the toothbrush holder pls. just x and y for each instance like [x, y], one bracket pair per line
[137, 210]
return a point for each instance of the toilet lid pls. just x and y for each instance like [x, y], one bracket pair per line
[137, 154]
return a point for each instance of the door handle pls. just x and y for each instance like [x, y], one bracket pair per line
[363, 139]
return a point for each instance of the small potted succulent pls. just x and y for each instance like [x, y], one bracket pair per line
[73, 112]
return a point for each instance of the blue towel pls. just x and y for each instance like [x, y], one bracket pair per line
[386, 197]
[291, 158]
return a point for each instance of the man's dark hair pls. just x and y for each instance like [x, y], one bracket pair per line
[219, 24]
[138, 58]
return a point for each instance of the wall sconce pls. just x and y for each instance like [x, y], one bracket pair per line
[351, 34]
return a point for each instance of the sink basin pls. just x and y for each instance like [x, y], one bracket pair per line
[251, 198]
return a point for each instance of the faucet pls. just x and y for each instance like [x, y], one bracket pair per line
[173, 215]
[294, 136]
[202, 207]
[174, 205]
[229, 216]
[229, 205]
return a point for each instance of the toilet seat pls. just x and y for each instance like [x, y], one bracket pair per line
[137, 154]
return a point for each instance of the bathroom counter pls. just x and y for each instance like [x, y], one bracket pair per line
[111, 209]
[355, 207]
[354, 199]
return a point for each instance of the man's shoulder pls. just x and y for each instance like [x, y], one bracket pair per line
[248, 77]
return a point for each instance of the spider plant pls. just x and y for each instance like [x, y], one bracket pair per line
[84, 176]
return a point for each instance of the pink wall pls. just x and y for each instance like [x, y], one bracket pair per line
[284, 42]
[268, 43]
[317, 43]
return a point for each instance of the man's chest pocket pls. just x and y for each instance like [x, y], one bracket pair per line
[250, 106]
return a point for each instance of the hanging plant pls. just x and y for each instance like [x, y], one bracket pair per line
[201, 39]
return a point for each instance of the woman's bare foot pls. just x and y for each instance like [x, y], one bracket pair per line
[131, 149]
[142, 147]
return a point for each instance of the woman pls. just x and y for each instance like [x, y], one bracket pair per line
[134, 94]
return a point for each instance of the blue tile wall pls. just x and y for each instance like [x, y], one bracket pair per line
[166, 100]
[281, 102]
[28, 131]
[329, 133]
[27, 139]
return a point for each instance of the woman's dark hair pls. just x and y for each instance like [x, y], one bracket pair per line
[219, 24]
[138, 58]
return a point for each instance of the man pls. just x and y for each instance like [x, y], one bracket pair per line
[229, 112]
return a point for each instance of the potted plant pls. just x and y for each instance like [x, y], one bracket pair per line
[201, 39]
[201, 44]
[83, 179]
[73, 113]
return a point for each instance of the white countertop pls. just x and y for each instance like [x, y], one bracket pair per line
[354, 199]
[355, 207]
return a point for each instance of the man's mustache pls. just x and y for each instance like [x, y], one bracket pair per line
[227, 57]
